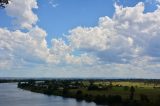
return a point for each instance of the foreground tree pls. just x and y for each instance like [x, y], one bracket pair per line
[132, 90]
[3, 3]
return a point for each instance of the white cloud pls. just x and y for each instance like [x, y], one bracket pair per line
[150, 1]
[83, 59]
[17, 47]
[59, 47]
[63, 53]
[125, 45]
[129, 34]
[53, 3]
[21, 11]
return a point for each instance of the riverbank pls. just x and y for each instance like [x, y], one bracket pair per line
[100, 92]
[10, 95]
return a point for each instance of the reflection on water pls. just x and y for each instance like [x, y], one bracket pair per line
[10, 95]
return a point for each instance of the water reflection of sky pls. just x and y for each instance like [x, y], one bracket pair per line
[10, 95]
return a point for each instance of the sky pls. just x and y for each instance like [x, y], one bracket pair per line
[80, 39]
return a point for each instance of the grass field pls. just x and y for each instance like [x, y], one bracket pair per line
[118, 89]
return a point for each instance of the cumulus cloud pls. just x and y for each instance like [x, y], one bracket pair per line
[123, 44]
[83, 59]
[143, 27]
[63, 53]
[128, 34]
[59, 47]
[21, 46]
[21, 11]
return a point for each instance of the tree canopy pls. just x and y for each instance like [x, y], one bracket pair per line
[3, 3]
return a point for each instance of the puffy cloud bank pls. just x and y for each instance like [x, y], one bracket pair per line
[21, 11]
[125, 45]
[130, 34]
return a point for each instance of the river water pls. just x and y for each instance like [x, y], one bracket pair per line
[10, 95]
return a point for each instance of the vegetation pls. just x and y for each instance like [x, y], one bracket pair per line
[132, 90]
[111, 92]
[3, 3]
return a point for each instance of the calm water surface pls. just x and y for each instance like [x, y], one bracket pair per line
[10, 95]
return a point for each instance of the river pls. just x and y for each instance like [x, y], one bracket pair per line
[10, 95]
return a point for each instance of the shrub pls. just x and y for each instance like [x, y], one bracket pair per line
[79, 95]
[144, 98]
[112, 99]
[126, 88]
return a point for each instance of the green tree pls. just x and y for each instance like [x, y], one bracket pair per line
[3, 3]
[110, 85]
[132, 90]
[79, 95]
[65, 92]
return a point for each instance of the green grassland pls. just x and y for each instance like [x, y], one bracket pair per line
[150, 89]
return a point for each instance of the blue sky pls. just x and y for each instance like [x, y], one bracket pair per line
[104, 38]
[70, 14]
[66, 15]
